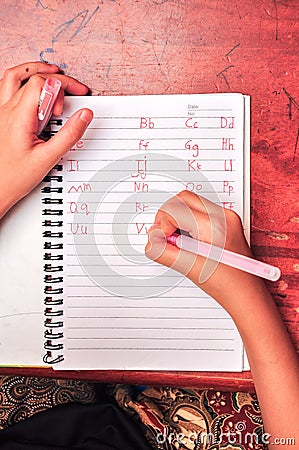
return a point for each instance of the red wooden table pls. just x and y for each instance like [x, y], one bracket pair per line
[176, 47]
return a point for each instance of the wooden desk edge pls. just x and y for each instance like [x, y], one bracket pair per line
[225, 381]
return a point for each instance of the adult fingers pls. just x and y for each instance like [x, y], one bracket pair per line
[13, 77]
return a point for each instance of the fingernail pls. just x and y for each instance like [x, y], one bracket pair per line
[86, 115]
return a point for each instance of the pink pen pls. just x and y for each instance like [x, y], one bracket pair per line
[227, 257]
[46, 102]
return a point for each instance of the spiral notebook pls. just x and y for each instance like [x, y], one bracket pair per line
[77, 291]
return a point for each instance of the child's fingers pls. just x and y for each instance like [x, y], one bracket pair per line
[68, 84]
[169, 255]
[27, 98]
[202, 220]
[51, 151]
[197, 268]
[25, 104]
[28, 95]
[198, 203]
[58, 105]
[175, 213]
[13, 77]
[71, 85]
[187, 211]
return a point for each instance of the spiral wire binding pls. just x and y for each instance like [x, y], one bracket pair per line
[53, 267]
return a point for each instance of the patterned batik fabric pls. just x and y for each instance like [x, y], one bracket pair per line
[22, 397]
[195, 420]
[170, 418]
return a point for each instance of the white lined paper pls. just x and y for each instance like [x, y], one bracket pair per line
[179, 327]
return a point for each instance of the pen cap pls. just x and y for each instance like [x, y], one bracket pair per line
[52, 85]
[46, 102]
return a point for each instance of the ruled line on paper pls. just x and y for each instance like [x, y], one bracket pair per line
[80, 158]
[147, 328]
[143, 348]
[150, 338]
[160, 116]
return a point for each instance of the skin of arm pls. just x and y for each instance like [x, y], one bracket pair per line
[273, 360]
[24, 158]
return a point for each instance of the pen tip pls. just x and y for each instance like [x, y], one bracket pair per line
[172, 239]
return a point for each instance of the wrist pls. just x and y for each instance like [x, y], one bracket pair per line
[6, 202]
[252, 307]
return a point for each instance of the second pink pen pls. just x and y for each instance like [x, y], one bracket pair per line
[223, 256]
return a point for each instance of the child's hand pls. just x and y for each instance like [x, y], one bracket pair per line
[24, 158]
[273, 359]
[210, 223]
